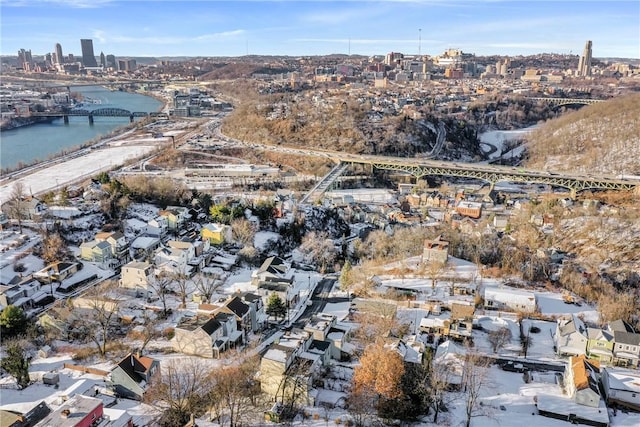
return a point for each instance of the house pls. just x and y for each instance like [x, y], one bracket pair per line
[242, 313]
[621, 387]
[273, 270]
[320, 325]
[57, 272]
[581, 381]
[256, 310]
[131, 377]
[194, 261]
[176, 217]
[10, 418]
[570, 337]
[581, 402]
[157, 227]
[274, 276]
[31, 208]
[199, 337]
[450, 360]
[78, 411]
[626, 350]
[217, 234]
[435, 251]
[231, 335]
[4, 221]
[95, 251]
[143, 247]
[469, 209]
[137, 275]
[19, 294]
[172, 261]
[600, 345]
[283, 370]
[119, 246]
[502, 298]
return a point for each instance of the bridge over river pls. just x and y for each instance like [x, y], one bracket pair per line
[99, 112]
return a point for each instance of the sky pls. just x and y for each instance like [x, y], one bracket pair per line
[296, 28]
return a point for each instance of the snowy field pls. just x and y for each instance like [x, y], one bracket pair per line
[72, 170]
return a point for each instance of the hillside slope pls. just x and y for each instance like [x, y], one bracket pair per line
[602, 139]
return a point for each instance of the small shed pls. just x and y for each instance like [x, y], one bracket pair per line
[44, 352]
[51, 378]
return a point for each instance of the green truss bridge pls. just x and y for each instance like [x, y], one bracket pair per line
[492, 174]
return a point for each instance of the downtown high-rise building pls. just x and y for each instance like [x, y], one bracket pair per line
[584, 64]
[88, 57]
[59, 59]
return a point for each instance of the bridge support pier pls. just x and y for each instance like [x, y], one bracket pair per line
[90, 119]
[492, 186]
[573, 194]
[65, 119]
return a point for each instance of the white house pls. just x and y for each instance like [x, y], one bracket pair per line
[621, 387]
[502, 298]
[570, 337]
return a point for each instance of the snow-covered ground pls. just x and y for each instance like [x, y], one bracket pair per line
[495, 141]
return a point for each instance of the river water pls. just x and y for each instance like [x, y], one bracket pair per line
[40, 141]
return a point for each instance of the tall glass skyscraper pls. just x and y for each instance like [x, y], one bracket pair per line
[88, 57]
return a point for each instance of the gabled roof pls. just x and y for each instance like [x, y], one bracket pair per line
[211, 326]
[571, 326]
[251, 297]
[629, 338]
[620, 325]
[273, 265]
[599, 334]
[238, 307]
[135, 367]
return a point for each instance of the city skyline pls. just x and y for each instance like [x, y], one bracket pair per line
[223, 28]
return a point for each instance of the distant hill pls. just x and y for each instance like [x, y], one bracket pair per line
[602, 139]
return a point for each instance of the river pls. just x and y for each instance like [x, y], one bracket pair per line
[39, 141]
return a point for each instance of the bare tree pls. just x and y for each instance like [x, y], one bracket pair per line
[319, 249]
[16, 203]
[161, 285]
[474, 379]
[499, 338]
[440, 380]
[181, 280]
[234, 392]
[243, 231]
[435, 269]
[183, 390]
[54, 248]
[207, 285]
[98, 309]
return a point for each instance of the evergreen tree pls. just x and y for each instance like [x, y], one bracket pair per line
[276, 307]
[12, 321]
[16, 363]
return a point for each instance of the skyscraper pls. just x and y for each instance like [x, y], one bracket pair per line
[88, 57]
[103, 61]
[59, 58]
[584, 64]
